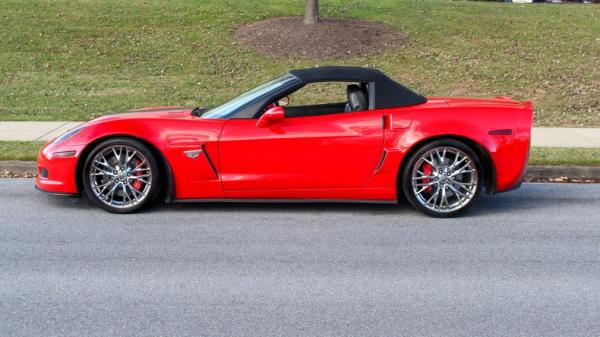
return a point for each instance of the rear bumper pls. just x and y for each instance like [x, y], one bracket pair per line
[511, 166]
[514, 187]
[512, 152]
[56, 174]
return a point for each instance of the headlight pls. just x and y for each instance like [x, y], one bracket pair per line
[68, 134]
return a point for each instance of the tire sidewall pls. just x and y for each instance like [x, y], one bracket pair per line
[412, 160]
[138, 146]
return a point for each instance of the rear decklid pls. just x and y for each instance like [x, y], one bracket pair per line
[498, 101]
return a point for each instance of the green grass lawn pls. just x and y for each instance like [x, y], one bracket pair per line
[557, 156]
[19, 150]
[74, 60]
[552, 156]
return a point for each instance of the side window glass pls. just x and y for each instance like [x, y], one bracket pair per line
[323, 98]
[319, 93]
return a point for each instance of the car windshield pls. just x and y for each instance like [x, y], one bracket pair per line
[228, 109]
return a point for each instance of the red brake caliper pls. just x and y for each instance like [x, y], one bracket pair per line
[427, 169]
[137, 184]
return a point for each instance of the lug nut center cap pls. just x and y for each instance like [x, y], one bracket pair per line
[121, 176]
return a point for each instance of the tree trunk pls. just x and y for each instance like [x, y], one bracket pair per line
[311, 12]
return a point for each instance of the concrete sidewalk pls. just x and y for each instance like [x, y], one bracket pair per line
[34, 131]
[544, 137]
[565, 137]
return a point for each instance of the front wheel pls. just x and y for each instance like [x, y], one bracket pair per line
[121, 175]
[443, 178]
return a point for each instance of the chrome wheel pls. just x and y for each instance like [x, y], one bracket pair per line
[120, 176]
[444, 179]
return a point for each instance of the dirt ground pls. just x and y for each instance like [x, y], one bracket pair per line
[330, 38]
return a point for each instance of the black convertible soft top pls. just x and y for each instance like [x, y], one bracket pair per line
[387, 92]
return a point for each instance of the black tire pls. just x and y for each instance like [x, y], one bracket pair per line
[121, 182]
[445, 179]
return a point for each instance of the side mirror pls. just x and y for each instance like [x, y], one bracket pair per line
[271, 116]
[284, 101]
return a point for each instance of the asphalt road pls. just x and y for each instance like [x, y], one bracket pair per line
[523, 263]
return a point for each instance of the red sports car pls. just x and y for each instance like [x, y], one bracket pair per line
[377, 140]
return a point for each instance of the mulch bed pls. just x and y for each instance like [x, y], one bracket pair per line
[562, 180]
[16, 174]
[330, 38]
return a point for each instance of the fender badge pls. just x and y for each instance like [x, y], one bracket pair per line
[192, 154]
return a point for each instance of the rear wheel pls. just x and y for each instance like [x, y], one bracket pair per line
[443, 178]
[121, 175]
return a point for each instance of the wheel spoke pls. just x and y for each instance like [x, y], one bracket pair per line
[467, 164]
[107, 185]
[125, 196]
[105, 164]
[115, 155]
[433, 196]
[122, 156]
[458, 162]
[125, 157]
[459, 195]
[461, 172]
[442, 157]
[102, 172]
[111, 193]
[444, 198]
[425, 186]
[140, 165]
[102, 185]
[423, 175]
[455, 159]
[134, 191]
[430, 162]
[130, 157]
[463, 184]
[140, 179]
[435, 203]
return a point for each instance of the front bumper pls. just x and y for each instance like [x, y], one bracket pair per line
[57, 193]
[57, 174]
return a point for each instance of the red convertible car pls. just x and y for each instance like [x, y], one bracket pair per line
[376, 141]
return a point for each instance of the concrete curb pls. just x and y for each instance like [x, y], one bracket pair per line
[18, 166]
[573, 172]
[9, 169]
[17, 169]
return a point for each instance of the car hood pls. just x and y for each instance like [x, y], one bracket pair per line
[156, 112]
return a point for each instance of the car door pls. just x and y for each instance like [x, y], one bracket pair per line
[333, 151]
